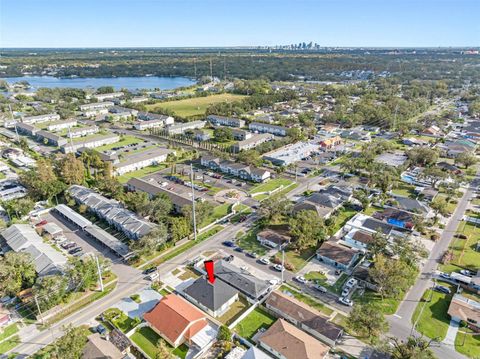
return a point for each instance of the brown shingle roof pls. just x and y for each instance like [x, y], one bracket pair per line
[293, 343]
[304, 314]
[362, 237]
[174, 316]
[466, 309]
[337, 252]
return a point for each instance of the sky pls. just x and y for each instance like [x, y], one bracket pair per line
[204, 23]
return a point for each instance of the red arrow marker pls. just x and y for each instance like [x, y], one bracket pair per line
[210, 271]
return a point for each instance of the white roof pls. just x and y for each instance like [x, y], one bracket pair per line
[205, 336]
[76, 218]
[254, 353]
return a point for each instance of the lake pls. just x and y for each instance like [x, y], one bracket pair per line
[130, 83]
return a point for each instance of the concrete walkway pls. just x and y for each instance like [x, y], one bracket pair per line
[451, 333]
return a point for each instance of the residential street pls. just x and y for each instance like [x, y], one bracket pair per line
[400, 323]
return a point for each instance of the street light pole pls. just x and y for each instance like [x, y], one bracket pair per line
[99, 274]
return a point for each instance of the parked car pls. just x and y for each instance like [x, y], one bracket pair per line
[345, 301]
[442, 289]
[238, 249]
[68, 245]
[229, 258]
[244, 269]
[153, 276]
[264, 260]
[100, 329]
[352, 282]
[41, 223]
[252, 254]
[149, 270]
[345, 292]
[320, 288]
[300, 279]
[228, 244]
[78, 254]
[445, 275]
[75, 250]
[467, 273]
[278, 267]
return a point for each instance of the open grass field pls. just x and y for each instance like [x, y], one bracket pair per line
[464, 253]
[257, 319]
[195, 106]
[250, 243]
[431, 313]
[8, 331]
[270, 185]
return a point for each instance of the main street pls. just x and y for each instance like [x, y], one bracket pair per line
[400, 323]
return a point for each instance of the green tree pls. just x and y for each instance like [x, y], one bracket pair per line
[439, 206]
[203, 210]
[82, 273]
[17, 272]
[163, 351]
[71, 344]
[434, 174]
[275, 208]
[224, 334]
[422, 156]
[50, 290]
[223, 134]
[42, 182]
[378, 245]
[412, 348]
[179, 228]
[151, 241]
[466, 158]
[307, 229]
[368, 321]
[18, 207]
[71, 170]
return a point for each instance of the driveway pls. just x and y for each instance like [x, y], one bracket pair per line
[148, 299]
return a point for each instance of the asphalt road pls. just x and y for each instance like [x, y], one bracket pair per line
[400, 323]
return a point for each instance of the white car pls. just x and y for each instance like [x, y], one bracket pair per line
[346, 301]
[264, 261]
[467, 272]
[345, 292]
[352, 282]
[301, 279]
[273, 281]
[320, 288]
[244, 268]
[278, 267]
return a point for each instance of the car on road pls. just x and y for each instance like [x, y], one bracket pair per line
[300, 279]
[264, 260]
[228, 244]
[320, 288]
[346, 301]
[278, 267]
[153, 276]
[238, 249]
[273, 281]
[68, 245]
[149, 270]
[467, 273]
[252, 254]
[442, 289]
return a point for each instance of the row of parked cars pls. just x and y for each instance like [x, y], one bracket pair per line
[70, 247]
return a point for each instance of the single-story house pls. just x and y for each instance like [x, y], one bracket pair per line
[337, 255]
[465, 310]
[273, 239]
[304, 317]
[358, 239]
[396, 217]
[98, 347]
[175, 320]
[214, 298]
[285, 341]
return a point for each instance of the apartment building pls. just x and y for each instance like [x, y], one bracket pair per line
[225, 121]
[267, 128]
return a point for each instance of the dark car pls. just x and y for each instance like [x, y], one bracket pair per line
[229, 258]
[68, 245]
[238, 249]
[75, 250]
[442, 289]
[100, 329]
[149, 270]
[228, 244]
[252, 254]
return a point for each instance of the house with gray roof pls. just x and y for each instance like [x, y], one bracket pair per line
[225, 121]
[214, 298]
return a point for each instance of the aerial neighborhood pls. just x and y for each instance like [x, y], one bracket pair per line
[241, 218]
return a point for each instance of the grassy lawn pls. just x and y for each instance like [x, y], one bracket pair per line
[8, 330]
[297, 259]
[218, 212]
[338, 285]
[342, 217]
[234, 312]
[316, 276]
[451, 206]
[141, 173]
[340, 319]
[181, 351]
[148, 340]
[307, 300]
[388, 306]
[9, 344]
[120, 319]
[433, 321]
[371, 210]
[249, 243]
[468, 344]
[405, 190]
[188, 274]
[195, 106]
[464, 251]
[270, 185]
[257, 319]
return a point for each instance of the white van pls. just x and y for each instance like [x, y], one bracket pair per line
[153, 276]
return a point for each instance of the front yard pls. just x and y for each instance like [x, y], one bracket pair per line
[388, 306]
[307, 300]
[271, 185]
[464, 250]
[235, 311]
[431, 313]
[467, 342]
[297, 259]
[148, 340]
[250, 243]
[257, 319]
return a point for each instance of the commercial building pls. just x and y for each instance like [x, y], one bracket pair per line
[291, 153]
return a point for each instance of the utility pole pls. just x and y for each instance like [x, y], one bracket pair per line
[70, 137]
[283, 262]
[38, 307]
[99, 273]
[193, 204]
